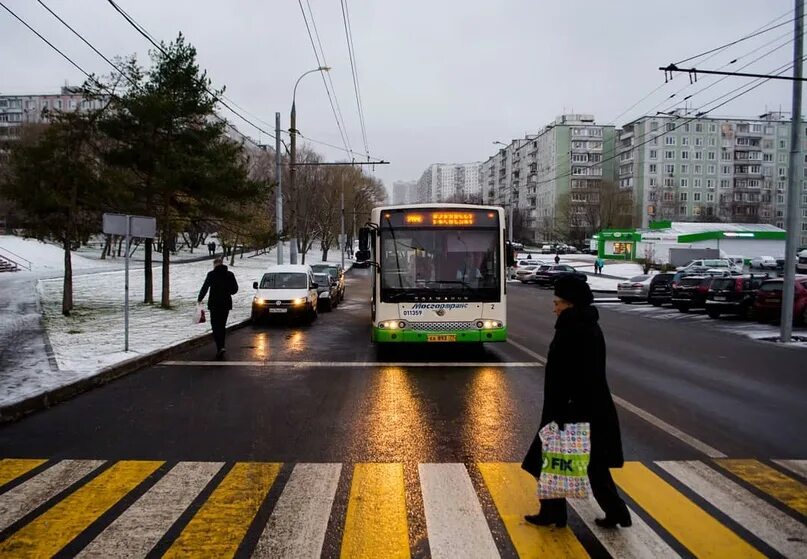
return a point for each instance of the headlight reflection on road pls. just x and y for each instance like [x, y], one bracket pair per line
[489, 424]
[260, 350]
[296, 342]
[395, 420]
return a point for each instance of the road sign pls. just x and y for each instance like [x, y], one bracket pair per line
[140, 226]
[128, 226]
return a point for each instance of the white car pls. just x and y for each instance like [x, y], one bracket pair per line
[285, 291]
[801, 262]
[526, 271]
[708, 263]
[764, 262]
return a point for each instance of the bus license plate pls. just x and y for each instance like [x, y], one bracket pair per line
[441, 338]
[277, 310]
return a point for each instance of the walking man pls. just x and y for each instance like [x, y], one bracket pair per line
[222, 285]
[557, 258]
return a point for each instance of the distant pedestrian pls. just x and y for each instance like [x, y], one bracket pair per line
[557, 259]
[576, 391]
[222, 285]
[597, 267]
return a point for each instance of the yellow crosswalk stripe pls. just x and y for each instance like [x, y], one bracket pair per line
[376, 524]
[220, 524]
[58, 526]
[513, 492]
[779, 486]
[688, 523]
[13, 468]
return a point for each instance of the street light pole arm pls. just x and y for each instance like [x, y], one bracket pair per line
[320, 69]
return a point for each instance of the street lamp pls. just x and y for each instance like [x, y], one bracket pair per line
[293, 151]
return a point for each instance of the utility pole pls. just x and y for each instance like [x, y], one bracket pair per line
[278, 193]
[292, 172]
[342, 238]
[793, 179]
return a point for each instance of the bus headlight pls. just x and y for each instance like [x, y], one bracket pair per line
[392, 324]
[489, 324]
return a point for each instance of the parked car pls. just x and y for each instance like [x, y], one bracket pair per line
[546, 249]
[660, 289]
[336, 272]
[547, 274]
[768, 302]
[732, 295]
[522, 262]
[763, 262]
[635, 289]
[285, 291]
[801, 264]
[707, 263]
[525, 271]
[737, 263]
[690, 293]
[327, 292]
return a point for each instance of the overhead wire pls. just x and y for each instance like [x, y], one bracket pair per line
[741, 39]
[320, 64]
[354, 71]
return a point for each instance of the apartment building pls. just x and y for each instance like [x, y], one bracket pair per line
[568, 159]
[404, 192]
[709, 169]
[455, 182]
[17, 110]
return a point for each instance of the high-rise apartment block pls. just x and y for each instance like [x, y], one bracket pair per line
[708, 169]
[458, 182]
[565, 162]
[17, 110]
[404, 192]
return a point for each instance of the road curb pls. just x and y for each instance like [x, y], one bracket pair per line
[55, 396]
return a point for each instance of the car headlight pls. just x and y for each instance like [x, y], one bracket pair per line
[325, 295]
[259, 302]
[298, 302]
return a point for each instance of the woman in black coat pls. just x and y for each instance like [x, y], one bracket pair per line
[576, 391]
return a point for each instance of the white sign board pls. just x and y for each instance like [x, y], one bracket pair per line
[145, 227]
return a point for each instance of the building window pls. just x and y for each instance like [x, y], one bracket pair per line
[711, 156]
[696, 182]
[652, 181]
[685, 140]
[756, 128]
[698, 142]
[711, 170]
[696, 197]
[652, 168]
[698, 169]
[653, 125]
[668, 196]
[712, 142]
[684, 183]
[669, 155]
[670, 127]
[725, 155]
[685, 168]
[698, 155]
[653, 154]
[684, 155]
[669, 169]
[713, 128]
[782, 172]
[725, 169]
[782, 144]
[669, 140]
[710, 197]
[682, 209]
[669, 182]
[698, 127]
[682, 197]
[767, 157]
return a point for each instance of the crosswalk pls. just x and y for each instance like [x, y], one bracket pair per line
[138, 508]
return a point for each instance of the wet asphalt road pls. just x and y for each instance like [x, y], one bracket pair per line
[339, 403]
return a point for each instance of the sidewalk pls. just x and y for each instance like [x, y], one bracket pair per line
[91, 339]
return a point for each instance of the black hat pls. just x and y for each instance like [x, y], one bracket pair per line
[573, 290]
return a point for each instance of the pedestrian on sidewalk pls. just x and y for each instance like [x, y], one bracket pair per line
[557, 258]
[576, 391]
[222, 285]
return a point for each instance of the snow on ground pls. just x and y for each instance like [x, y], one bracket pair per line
[47, 257]
[92, 337]
[597, 283]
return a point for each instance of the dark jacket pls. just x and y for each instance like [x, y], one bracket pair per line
[222, 285]
[575, 388]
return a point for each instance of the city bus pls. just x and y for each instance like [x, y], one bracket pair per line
[439, 273]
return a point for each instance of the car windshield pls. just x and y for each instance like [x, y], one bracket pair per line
[690, 281]
[320, 268]
[423, 262]
[722, 284]
[284, 280]
[322, 279]
[636, 279]
[715, 263]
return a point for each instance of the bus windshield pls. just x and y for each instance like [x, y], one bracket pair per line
[418, 263]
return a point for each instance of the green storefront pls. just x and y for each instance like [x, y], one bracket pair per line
[618, 244]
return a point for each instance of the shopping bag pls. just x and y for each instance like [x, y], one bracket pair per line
[565, 454]
[199, 315]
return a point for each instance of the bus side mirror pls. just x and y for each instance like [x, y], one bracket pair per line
[364, 240]
[362, 255]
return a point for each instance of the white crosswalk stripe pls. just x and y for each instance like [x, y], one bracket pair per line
[300, 518]
[637, 542]
[796, 466]
[21, 500]
[778, 530]
[454, 517]
[135, 532]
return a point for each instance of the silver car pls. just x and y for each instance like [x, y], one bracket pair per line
[635, 289]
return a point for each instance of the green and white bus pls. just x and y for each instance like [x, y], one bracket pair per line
[438, 273]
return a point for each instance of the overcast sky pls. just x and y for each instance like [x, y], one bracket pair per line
[440, 80]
